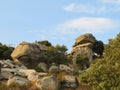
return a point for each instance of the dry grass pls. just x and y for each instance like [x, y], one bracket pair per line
[17, 87]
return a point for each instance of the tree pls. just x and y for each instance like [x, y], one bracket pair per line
[45, 42]
[98, 47]
[5, 51]
[56, 55]
[61, 49]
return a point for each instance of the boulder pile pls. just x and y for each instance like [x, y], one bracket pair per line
[16, 73]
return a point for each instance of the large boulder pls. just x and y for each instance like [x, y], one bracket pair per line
[47, 83]
[27, 52]
[86, 38]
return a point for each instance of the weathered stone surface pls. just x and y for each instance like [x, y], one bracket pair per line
[43, 66]
[17, 80]
[86, 38]
[10, 68]
[27, 72]
[11, 64]
[32, 77]
[27, 52]
[66, 68]
[47, 83]
[54, 69]
[83, 46]
[69, 81]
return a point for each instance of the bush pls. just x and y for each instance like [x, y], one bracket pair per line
[104, 74]
[5, 51]
[82, 61]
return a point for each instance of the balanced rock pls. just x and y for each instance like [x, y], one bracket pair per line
[83, 46]
[86, 38]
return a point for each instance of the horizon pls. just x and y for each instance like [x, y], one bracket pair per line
[59, 22]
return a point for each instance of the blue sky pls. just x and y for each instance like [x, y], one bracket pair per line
[58, 21]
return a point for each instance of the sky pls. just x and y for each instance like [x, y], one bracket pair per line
[58, 21]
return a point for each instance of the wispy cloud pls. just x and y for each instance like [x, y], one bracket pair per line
[81, 8]
[104, 6]
[86, 24]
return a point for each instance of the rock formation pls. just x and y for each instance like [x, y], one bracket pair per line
[16, 73]
[83, 46]
[27, 52]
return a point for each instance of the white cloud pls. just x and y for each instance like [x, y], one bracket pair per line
[86, 24]
[70, 7]
[82, 8]
[105, 6]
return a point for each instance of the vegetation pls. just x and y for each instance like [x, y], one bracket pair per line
[104, 74]
[98, 48]
[45, 42]
[56, 54]
[82, 61]
[5, 51]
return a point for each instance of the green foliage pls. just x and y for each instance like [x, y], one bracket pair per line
[45, 42]
[56, 55]
[61, 49]
[112, 50]
[104, 74]
[5, 51]
[98, 47]
[82, 61]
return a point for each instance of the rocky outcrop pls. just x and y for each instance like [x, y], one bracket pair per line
[28, 52]
[16, 73]
[83, 46]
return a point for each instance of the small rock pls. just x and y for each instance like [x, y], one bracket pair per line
[43, 66]
[65, 68]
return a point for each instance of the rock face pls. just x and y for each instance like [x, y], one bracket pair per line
[83, 46]
[27, 52]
